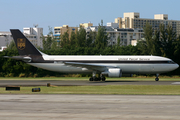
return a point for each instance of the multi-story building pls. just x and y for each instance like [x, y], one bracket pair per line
[65, 28]
[126, 34]
[5, 38]
[85, 25]
[133, 20]
[34, 35]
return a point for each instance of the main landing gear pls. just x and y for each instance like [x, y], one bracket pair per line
[157, 79]
[99, 78]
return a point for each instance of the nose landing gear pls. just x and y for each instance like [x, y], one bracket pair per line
[157, 79]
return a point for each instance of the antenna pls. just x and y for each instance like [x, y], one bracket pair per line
[35, 25]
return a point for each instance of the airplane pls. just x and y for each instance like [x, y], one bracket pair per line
[109, 65]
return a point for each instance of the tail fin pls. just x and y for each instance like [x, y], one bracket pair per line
[24, 46]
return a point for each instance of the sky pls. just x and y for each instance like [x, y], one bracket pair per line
[17, 14]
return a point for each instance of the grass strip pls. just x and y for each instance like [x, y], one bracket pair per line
[109, 89]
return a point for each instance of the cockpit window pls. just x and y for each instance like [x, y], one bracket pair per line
[171, 62]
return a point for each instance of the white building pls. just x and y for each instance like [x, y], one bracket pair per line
[133, 42]
[114, 25]
[133, 20]
[3, 48]
[33, 34]
[5, 38]
[126, 34]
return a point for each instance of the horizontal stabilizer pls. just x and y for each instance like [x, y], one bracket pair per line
[25, 59]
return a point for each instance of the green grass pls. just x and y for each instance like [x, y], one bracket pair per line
[109, 89]
[140, 78]
[44, 78]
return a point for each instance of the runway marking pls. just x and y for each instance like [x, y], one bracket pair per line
[175, 83]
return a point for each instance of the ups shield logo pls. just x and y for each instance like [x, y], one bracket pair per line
[21, 43]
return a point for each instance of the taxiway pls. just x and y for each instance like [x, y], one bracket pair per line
[4, 83]
[89, 107]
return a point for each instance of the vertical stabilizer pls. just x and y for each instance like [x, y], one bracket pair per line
[24, 46]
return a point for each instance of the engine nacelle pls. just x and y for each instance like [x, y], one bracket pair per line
[113, 72]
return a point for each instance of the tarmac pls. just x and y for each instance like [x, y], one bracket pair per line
[4, 83]
[89, 107]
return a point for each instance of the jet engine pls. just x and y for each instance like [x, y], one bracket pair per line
[113, 72]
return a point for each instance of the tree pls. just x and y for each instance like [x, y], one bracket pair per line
[148, 34]
[47, 42]
[118, 41]
[177, 53]
[64, 40]
[101, 37]
[177, 48]
[81, 37]
[156, 44]
[167, 38]
[55, 43]
[12, 46]
[150, 45]
[73, 39]
[90, 37]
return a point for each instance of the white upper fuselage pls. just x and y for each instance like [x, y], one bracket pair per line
[128, 64]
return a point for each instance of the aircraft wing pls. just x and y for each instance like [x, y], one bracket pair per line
[94, 67]
[25, 59]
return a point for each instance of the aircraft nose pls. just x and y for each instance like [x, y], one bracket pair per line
[177, 66]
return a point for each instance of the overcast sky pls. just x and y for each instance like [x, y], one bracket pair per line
[17, 14]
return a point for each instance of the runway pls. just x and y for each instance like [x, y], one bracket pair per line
[89, 107]
[4, 83]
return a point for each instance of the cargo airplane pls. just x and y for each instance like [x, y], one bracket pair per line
[111, 66]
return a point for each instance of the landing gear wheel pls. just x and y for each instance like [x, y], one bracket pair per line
[103, 78]
[90, 79]
[156, 79]
[157, 75]
[99, 79]
[95, 79]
